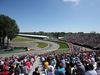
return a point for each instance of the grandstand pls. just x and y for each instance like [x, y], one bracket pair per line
[92, 40]
[34, 36]
[41, 37]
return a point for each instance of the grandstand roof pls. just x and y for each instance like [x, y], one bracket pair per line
[33, 35]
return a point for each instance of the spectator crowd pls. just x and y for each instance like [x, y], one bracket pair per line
[17, 65]
[80, 63]
[92, 40]
[73, 63]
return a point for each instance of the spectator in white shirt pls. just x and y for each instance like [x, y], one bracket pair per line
[91, 71]
[50, 69]
[98, 68]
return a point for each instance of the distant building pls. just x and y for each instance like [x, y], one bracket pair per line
[37, 37]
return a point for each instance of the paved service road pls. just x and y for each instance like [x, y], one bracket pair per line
[51, 47]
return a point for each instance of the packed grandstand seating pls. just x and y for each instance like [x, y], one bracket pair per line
[76, 63]
[72, 63]
[16, 65]
[92, 40]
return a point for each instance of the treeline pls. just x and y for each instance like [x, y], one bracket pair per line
[55, 34]
[8, 29]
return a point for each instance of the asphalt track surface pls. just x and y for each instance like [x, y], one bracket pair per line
[51, 47]
[30, 44]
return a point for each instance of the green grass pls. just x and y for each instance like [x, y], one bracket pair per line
[62, 45]
[63, 48]
[59, 51]
[21, 39]
[42, 44]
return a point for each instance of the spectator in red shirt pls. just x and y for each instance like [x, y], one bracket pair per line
[6, 71]
[5, 66]
[34, 58]
[28, 64]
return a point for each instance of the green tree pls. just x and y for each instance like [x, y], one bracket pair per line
[8, 28]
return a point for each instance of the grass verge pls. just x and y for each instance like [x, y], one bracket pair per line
[42, 44]
[62, 48]
[62, 45]
[59, 51]
[21, 39]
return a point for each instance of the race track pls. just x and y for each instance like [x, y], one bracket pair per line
[51, 47]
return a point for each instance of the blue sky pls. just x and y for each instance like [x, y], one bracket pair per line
[53, 15]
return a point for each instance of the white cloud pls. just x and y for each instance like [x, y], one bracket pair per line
[75, 1]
